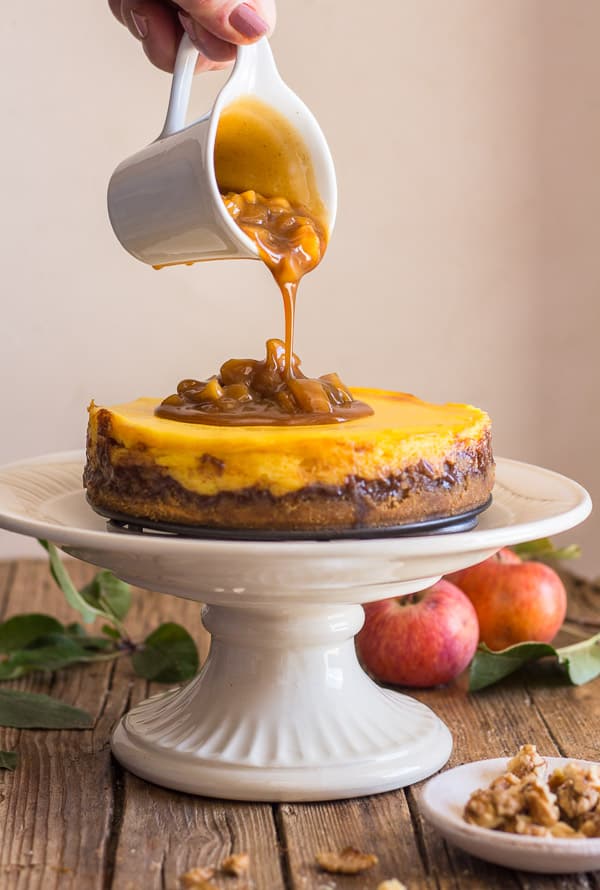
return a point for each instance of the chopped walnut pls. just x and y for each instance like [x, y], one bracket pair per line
[527, 761]
[504, 782]
[581, 776]
[523, 824]
[237, 864]
[392, 884]
[525, 801]
[589, 825]
[563, 829]
[481, 809]
[198, 878]
[490, 807]
[540, 803]
[577, 789]
[348, 861]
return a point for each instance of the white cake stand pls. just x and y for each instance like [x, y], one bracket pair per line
[282, 709]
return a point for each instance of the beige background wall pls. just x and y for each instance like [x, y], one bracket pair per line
[465, 264]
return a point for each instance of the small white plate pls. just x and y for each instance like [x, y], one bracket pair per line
[443, 800]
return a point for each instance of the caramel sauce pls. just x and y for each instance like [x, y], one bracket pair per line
[249, 392]
[290, 242]
[259, 148]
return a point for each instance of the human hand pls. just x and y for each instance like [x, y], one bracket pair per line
[215, 27]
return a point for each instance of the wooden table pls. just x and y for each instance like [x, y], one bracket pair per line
[72, 818]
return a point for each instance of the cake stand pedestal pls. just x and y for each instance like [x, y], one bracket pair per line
[281, 709]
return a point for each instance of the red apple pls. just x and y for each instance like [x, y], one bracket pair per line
[422, 639]
[514, 600]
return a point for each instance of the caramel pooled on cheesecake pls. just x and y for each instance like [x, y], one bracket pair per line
[248, 392]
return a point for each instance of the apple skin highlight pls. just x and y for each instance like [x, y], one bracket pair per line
[421, 640]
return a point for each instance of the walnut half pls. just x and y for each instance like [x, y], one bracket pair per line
[198, 878]
[348, 861]
[237, 864]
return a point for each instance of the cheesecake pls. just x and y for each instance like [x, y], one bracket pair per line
[406, 462]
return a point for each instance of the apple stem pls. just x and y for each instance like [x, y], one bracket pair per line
[409, 600]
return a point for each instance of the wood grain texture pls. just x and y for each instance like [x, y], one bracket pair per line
[162, 833]
[56, 806]
[72, 819]
[379, 824]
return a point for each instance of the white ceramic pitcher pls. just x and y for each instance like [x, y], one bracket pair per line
[164, 202]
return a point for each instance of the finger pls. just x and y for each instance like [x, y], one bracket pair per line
[115, 8]
[206, 43]
[232, 21]
[156, 26]
[202, 63]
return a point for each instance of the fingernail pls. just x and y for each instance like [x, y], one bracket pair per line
[188, 26]
[247, 22]
[140, 23]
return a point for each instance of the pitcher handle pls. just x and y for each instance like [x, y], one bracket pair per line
[181, 87]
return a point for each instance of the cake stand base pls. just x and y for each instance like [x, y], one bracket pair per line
[282, 711]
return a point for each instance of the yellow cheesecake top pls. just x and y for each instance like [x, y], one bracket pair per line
[207, 459]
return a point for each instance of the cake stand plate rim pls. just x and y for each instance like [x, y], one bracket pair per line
[574, 507]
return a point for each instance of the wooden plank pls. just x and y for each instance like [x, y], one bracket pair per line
[380, 825]
[7, 574]
[59, 808]
[583, 600]
[572, 713]
[56, 806]
[162, 833]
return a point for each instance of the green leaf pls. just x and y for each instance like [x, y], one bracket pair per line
[543, 548]
[62, 578]
[111, 632]
[9, 760]
[76, 630]
[489, 667]
[50, 653]
[168, 655]
[108, 595]
[29, 710]
[98, 644]
[582, 660]
[21, 631]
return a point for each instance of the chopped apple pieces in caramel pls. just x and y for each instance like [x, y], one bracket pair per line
[348, 861]
[249, 391]
[525, 800]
